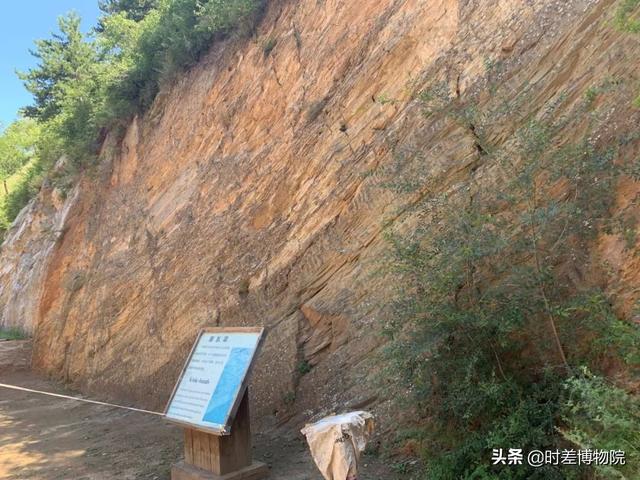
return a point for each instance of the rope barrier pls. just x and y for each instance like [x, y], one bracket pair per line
[67, 397]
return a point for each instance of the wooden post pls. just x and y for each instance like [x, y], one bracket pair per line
[215, 457]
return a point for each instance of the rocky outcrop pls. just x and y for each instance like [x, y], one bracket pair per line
[252, 192]
[25, 254]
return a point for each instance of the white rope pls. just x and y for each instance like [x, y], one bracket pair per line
[29, 390]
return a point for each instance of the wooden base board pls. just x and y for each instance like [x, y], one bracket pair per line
[183, 471]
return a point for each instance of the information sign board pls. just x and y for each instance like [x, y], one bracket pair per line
[214, 379]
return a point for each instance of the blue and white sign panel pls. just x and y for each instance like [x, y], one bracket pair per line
[214, 378]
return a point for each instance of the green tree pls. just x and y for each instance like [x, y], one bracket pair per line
[489, 327]
[85, 86]
[17, 147]
[63, 60]
[134, 9]
[169, 38]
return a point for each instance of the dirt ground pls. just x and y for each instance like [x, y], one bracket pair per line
[47, 438]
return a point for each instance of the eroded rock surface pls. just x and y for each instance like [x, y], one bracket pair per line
[25, 254]
[251, 193]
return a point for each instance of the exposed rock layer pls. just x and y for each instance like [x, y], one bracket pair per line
[251, 193]
[27, 249]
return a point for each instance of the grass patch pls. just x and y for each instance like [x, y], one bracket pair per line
[12, 333]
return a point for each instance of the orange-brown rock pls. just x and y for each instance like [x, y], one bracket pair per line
[250, 193]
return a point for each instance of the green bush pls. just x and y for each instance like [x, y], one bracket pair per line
[85, 86]
[304, 367]
[25, 188]
[487, 327]
[20, 171]
[599, 415]
[626, 16]
[169, 38]
[133, 9]
[17, 148]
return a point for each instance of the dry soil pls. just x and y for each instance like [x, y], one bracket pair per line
[47, 438]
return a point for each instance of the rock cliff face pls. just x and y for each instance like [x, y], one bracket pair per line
[26, 252]
[251, 193]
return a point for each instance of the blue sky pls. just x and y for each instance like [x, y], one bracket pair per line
[22, 22]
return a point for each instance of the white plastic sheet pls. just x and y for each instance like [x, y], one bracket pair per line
[336, 443]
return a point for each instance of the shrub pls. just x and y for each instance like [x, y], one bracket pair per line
[304, 367]
[487, 328]
[27, 184]
[599, 415]
[84, 86]
[625, 18]
[20, 168]
[268, 46]
[17, 148]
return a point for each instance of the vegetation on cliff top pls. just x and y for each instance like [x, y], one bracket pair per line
[87, 85]
[497, 344]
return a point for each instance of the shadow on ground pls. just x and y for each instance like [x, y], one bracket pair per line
[45, 438]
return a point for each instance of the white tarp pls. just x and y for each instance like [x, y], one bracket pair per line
[336, 443]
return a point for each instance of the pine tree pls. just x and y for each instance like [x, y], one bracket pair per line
[63, 60]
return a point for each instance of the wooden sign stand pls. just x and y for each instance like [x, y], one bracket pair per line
[208, 456]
